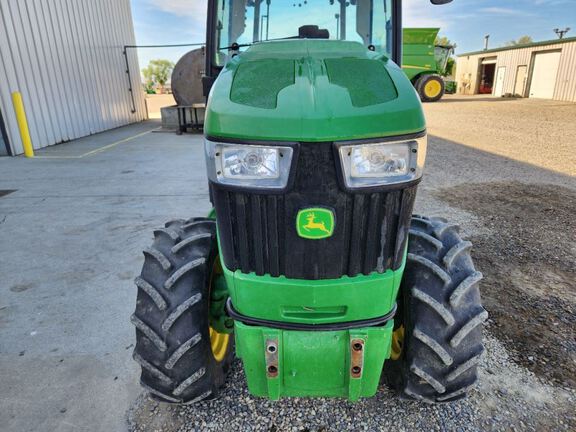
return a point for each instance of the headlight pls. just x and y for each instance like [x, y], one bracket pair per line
[382, 163]
[249, 165]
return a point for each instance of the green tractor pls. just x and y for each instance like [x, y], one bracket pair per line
[312, 268]
[425, 62]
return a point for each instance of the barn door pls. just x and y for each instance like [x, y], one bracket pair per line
[499, 87]
[521, 75]
[544, 75]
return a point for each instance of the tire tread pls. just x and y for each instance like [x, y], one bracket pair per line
[442, 313]
[172, 315]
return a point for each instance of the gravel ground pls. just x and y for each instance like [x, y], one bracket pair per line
[487, 170]
[530, 271]
[507, 399]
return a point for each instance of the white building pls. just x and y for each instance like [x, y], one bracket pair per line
[66, 59]
[545, 70]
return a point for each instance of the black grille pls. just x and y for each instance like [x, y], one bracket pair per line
[258, 232]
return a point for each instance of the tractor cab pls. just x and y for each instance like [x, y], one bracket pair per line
[442, 54]
[234, 25]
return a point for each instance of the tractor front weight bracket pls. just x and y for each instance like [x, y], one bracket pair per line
[272, 363]
[287, 363]
[357, 345]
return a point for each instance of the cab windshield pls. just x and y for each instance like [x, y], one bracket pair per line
[248, 21]
[442, 54]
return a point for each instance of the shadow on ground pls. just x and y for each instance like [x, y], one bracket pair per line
[475, 98]
[527, 256]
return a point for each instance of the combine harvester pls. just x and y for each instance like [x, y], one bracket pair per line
[425, 63]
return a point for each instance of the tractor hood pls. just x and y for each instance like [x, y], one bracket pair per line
[312, 90]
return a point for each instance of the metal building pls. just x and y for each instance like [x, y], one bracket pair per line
[66, 59]
[545, 70]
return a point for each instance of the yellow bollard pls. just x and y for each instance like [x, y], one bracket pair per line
[22, 124]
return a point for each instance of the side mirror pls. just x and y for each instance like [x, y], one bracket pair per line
[440, 2]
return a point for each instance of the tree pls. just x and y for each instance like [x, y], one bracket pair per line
[158, 72]
[148, 80]
[524, 40]
[442, 41]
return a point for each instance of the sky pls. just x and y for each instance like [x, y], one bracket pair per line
[464, 22]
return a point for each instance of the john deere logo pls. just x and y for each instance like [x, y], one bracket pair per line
[315, 223]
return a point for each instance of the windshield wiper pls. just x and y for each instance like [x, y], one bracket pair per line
[235, 46]
[304, 32]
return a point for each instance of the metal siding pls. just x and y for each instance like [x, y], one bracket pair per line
[565, 83]
[467, 70]
[57, 75]
[49, 78]
[125, 103]
[108, 38]
[81, 47]
[566, 80]
[96, 86]
[100, 61]
[67, 66]
[27, 50]
[19, 79]
[65, 57]
[79, 95]
[7, 71]
[136, 83]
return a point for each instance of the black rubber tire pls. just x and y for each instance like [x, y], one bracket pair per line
[172, 315]
[425, 79]
[441, 311]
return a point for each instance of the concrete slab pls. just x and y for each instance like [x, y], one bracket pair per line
[87, 145]
[70, 244]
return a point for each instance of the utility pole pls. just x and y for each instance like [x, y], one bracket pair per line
[486, 40]
[561, 33]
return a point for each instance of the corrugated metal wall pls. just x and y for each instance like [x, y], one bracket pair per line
[467, 74]
[566, 81]
[65, 57]
[468, 68]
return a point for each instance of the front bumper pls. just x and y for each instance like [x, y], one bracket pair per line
[314, 302]
[310, 362]
[313, 363]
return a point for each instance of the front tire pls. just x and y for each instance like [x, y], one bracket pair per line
[430, 88]
[183, 359]
[440, 316]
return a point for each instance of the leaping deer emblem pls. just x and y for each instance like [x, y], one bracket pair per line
[314, 225]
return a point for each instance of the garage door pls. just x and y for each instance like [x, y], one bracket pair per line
[544, 75]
